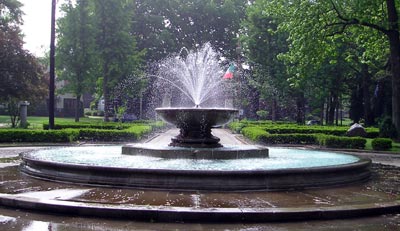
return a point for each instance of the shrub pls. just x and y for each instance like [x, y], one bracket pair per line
[140, 130]
[381, 144]
[387, 129]
[262, 114]
[236, 126]
[18, 135]
[343, 142]
[76, 125]
[254, 133]
[289, 139]
[105, 135]
[131, 134]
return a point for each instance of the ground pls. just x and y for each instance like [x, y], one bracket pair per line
[25, 220]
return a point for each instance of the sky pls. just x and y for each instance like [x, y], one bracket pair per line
[36, 26]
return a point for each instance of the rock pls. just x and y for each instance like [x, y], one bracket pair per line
[313, 122]
[356, 130]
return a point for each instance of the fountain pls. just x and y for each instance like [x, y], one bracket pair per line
[198, 76]
[195, 160]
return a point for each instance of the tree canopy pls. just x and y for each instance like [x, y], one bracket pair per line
[21, 76]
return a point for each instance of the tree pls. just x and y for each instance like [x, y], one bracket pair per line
[166, 26]
[322, 31]
[76, 56]
[364, 22]
[118, 55]
[21, 76]
[262, 43]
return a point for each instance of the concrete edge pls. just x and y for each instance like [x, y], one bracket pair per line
[187, 214]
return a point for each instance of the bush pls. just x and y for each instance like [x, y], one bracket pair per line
[381, 144]
[105, 135]
[276, 128]
[290, 139]
[387, 129]
[343, 142]
[18, 135]
[69, 132]
[262, 114]
[110, 125]
[254, 133]
[236, 126]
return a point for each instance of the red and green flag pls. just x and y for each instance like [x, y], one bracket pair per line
[229, 73]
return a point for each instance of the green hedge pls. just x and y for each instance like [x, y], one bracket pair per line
[289, 139]
[307, 130]
[274, 128]
[343, 142]
[105, 135]
[260, 135]
[236, 126]
[68, 135]
[76, 125]
[24, 135]
[381, 144]
[254, 133]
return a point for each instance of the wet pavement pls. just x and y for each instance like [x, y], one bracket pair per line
[382, 188]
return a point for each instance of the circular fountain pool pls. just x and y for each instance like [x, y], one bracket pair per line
[285, 169]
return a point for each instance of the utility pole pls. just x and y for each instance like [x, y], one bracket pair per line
[52, 64]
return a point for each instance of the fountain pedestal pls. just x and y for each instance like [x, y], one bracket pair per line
[194, 137]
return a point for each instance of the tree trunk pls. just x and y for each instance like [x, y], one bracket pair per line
[337, 112]
[321, 122]
[106, 95]
[394, 41]
[77, 107]
[327, 110]
[366, 82]
[273, 109]
[300, 106]
[330, 110]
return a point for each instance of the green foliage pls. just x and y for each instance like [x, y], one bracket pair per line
[343, 142]
[131, 134]
[110, 125]
[269, 133]
[236, 126]
[262, 114]
[117, 49]
[262, 43]
[254, 133]
[77, 60]
[24, 135]
[21, 75]
[303, 139]
[387, 129]
[285, 128]
[90, 131]
[381, 144]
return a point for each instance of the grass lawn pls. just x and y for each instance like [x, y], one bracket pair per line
[36, 122]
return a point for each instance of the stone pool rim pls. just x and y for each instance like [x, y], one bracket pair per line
[202, 180]
[209, 215]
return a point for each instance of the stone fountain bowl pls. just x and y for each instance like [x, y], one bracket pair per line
[197, 117]
[195, 124]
